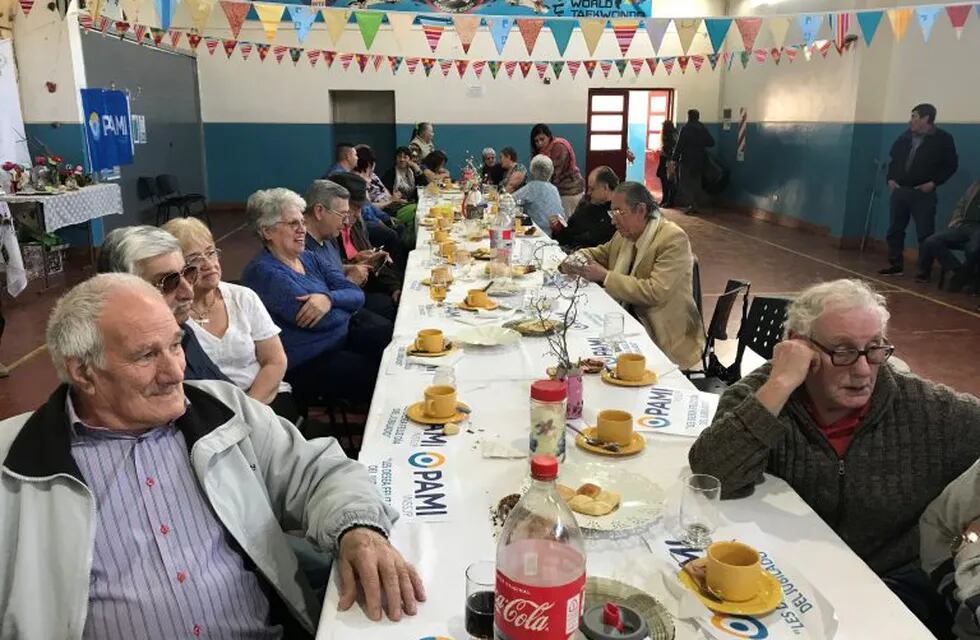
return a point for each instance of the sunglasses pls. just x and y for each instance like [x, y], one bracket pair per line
[169, 282]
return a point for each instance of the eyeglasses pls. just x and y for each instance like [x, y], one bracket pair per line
[846, 356]
[616, 212]
[342, 214]
[211, 255]
[169, 282]
[294, 225]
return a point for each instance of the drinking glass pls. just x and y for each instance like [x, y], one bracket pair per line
[444, 376]
[481, 579]
[438, 289]
[612, 327]
[699, 509]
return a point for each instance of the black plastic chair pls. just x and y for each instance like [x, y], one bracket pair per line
[169, 191]
[147, 189]
[696, 287]
[715, 377]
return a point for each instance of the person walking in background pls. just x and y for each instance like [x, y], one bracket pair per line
[922, 158]
[690, 155]
[423, 141]
[567, 177]
[668, 177]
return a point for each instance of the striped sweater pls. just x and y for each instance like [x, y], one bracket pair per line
[916, 437]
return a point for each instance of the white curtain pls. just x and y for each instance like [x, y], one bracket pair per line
[13, 143]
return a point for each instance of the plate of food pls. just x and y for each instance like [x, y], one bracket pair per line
[606, 498]
[517, 270]
[534, 326]
[483, 253]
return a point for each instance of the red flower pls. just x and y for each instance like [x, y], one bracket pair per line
[39, 160]
[7, 166]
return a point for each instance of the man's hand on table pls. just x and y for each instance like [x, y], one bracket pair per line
[594, 272]
[368, 559]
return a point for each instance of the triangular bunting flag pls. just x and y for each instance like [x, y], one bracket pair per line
[957, 17]
[461, 67]
[656, 29]
[465, 27]
[446, 66]
[263, 50]
[840, 25]
[401, 26]
[556, 68]
[345, 60]
[295, 53]
[499, 31]
[727, 59]
[362, 60]
[686, 30]
[760, 55]
[427, 65]
[525, 67]
[104, 23]
[790, 53]
[211, 44]
[166, 9]
[131, 9]
[235, 12]
[193, 39]
[749, 29]
[478, 66]
[573, 67]
[121, 28]
[868, 21]
[637, 64]
[620, 66]
[775, 54]
[682, 63]
[174, 38]
[433, 32]
[368, 22]
[229, 46]
[668, 64]
[589, 66]
[112, 9]
[140, 32]
[85, 21]
[900, 21]
[270, 15]
[313, 55]
[530, 28]
[606, 67]
[542, 69]
[778, 28]
[157, 35]
[395, 62]
[412, 64]
[200, 11]
[713, 60]
[94, 8]
[303, 17]
[717, 31]
[377, 61]
[494, 67]
[328, 57]
[509, 67]
[592, 29]
[745, 56]
[652, 63]
[809, 27]
[336, 21]
[624, 29]
[561, 31]
[245, 48]
[698, 62]
[279, 51]
[823, 47]
[927, 19]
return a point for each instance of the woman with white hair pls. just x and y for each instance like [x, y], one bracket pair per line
[491, 173]
[314, 304]
[539, 197]
[867, 447]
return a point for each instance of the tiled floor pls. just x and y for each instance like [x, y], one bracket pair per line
[937, 334]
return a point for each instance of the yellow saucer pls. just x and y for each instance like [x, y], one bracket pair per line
[448, 347]
[465, 307]
[416, 413]
[635, 446]
[768, 598]
[427, 282]
[480, 255]
[648, 378]
[427, 222]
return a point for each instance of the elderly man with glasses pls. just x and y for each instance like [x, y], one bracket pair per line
[865, 446]
[155, 255]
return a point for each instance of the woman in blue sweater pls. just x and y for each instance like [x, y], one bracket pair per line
[333, 346]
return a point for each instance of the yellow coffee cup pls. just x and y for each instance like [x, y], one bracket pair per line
[631, 367]
[733, 571]
[440, 236]
[477, 298]
[440, 401]
[430, 341]
[616, 426]
[448, 250]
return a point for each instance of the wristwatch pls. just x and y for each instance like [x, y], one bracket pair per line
[962, 540]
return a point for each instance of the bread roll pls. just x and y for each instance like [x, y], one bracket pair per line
[589, 489]
[566, 493]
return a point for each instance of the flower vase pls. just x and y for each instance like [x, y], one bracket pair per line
[573, 384]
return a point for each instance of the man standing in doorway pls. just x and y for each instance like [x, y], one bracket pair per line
[690, 154]
[922, 158]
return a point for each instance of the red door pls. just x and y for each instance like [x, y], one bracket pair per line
[605, 137]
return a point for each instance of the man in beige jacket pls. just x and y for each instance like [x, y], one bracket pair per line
[647, 268]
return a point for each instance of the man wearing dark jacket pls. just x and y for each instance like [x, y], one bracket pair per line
[963, 233]
[690, 154]
[590, 224]
[922, 158]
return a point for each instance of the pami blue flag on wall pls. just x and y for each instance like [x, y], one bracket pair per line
[107, 132]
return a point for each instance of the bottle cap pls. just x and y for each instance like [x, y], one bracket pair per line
[544, 467]
[549, 390]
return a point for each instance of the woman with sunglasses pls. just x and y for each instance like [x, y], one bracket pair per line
[232, 324]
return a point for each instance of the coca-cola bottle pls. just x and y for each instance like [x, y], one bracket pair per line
[540, 564]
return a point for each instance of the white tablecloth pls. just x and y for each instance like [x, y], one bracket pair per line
[498, 395]
[74, 207]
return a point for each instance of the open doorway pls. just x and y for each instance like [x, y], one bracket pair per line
[648, 108]
[366, 117]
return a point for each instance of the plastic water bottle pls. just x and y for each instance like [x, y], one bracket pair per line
[540, 587]
[502, 238]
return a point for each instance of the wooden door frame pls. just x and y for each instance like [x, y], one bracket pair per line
[624, 132]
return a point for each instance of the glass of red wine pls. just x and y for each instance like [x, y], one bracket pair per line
[480, 580]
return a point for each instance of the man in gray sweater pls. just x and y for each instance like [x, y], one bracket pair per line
[866, 447]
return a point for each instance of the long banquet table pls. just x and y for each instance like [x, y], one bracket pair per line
[496, 386]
